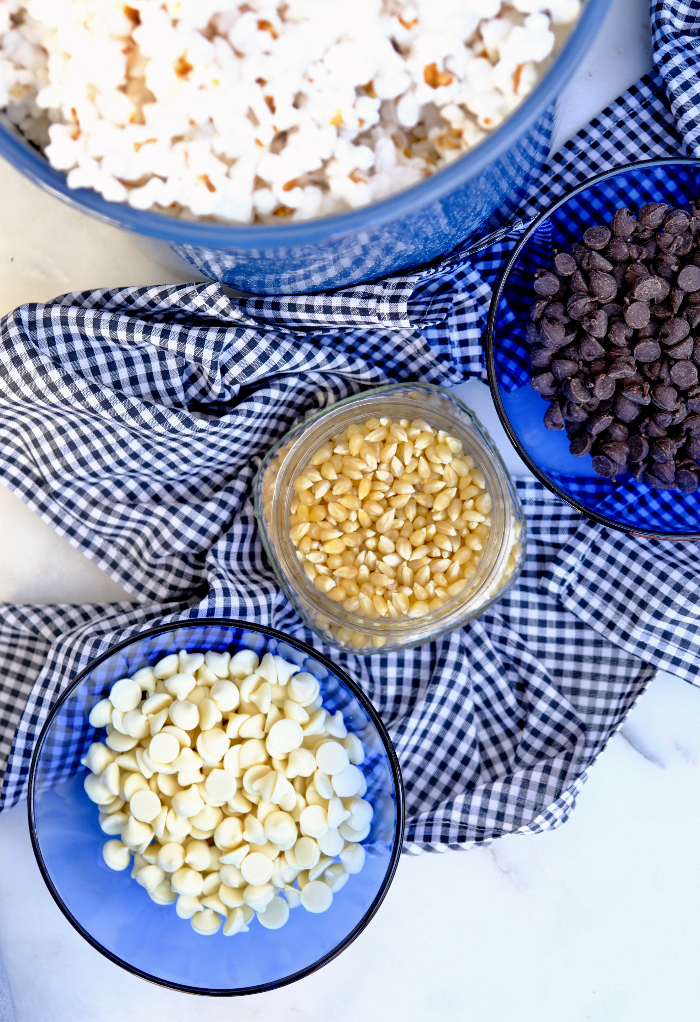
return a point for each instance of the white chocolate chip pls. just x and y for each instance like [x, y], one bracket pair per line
[125, 695]
[235, 923]
[98, 758]
[316, 896]
[352, 858]
[166, 667]
[188, 882]
[286, 735]
[145, 806]
[332, 758]
[206, 922]
[228, 834]
[256, 869]
[275, 914]
[116, 855]
[187, 906]
[242, 664]
[180, 685]
[226, 695]
[313, 821]
[184, 714]
[97, 792]
[101, 713]
[171, 857]
[347, 782]
[164, 748]
[218, 663]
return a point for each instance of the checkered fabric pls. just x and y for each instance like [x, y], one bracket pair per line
[133, 422]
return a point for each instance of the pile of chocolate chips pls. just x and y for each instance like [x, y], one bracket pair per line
[612, 346]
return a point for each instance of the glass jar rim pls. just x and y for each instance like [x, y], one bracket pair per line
[403, 632]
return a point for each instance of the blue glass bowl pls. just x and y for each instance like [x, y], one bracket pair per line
[477, 192]
[625, 504]
[116, 915]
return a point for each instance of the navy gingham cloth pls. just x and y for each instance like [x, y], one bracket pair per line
[133, 422]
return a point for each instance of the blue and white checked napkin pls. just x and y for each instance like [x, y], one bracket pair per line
[133, 422]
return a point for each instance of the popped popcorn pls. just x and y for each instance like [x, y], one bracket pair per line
[256, 112]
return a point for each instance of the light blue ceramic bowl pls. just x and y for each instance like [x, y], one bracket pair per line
[116, 915]
[476, 194]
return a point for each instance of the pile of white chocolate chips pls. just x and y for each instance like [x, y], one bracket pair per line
[390, 518]
[229, 782]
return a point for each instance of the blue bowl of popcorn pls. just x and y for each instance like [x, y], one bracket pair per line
[624, 450]
[295, 150]
[213, 780]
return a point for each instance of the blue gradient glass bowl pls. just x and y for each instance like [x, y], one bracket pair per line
[625, 504]
[116, 915]
[477, 193]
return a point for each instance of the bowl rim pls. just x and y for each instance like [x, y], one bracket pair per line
[588, 512]
[388, 748]
[28, 159]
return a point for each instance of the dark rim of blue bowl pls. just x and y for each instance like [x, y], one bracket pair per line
[31, 162]
[366, 705]
[602, 519]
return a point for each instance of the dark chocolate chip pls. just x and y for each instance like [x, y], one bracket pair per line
[684, 375]
[604, 387]
[623, 222]
[659, 484]
[692, 425]
[693, 404]
[665, 470]
[637, 392]
[604, 466]
[647, 289]
[677, 298]
[647, 351]
[555, 310]
[692, 314]
[680, 414]
[682, 350]
[652, 214]
[553, 332]
[573, 412]
[544, 384]
[564, 264]
[596, 323]
[540, 358]
[612, 310]
[687, 481]
[674, 330]
[689, 278]
[637, 315]
[547, 283]
[666, 266]
[663, 449]
[638, 448]
[576, 390]
[665, 398]
[579, 306]
[616, 431]
[616, 451]
[626, 410]
[580, 445]
[649, 428]
[621, 368]
[619, 332]
[596, 261]
[677, 222]
[563, 367]
[603, 285]
[596, 237]
[692, 447]
[618, 250]
[598, 422]
[598, 366]
[662, 311]
[553, 419]
[578, 282]
[663, 420]
[635, 271]
[537, 308]
[638, 471]
[590, 348]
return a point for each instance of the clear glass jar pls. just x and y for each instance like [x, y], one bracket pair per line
[497, 565]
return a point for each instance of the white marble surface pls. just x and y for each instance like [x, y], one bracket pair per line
[596, 922]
